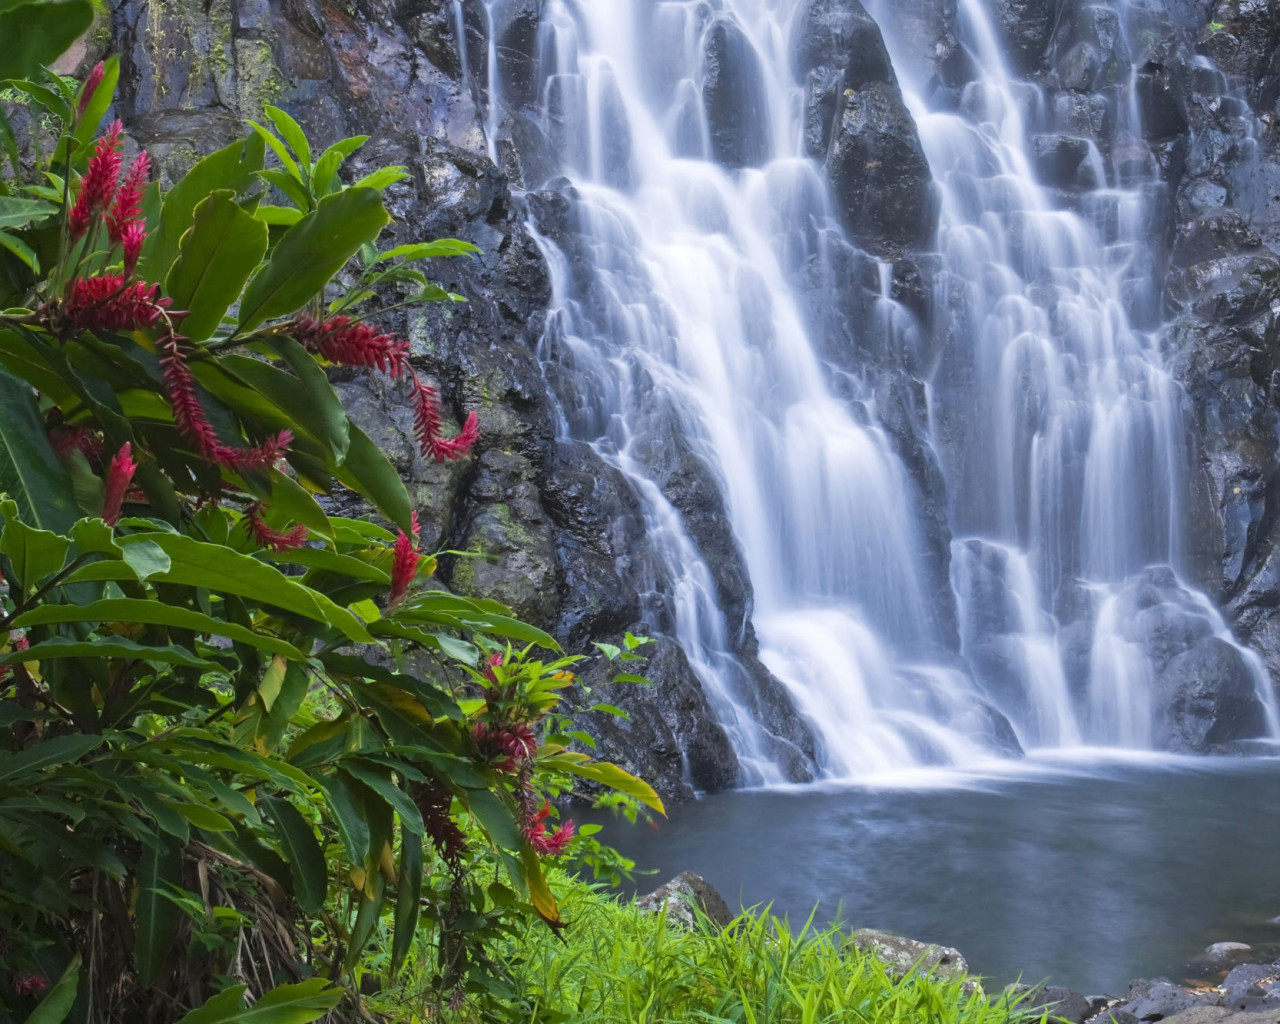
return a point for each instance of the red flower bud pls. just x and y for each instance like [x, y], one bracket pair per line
[404, 565]
[128, 201]
[105, 302]
[119, 476]
[89, 88]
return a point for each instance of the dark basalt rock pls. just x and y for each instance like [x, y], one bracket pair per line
[1206, 697]
[841, 35]
[1026, 27]
[733, 95]
[879, 173]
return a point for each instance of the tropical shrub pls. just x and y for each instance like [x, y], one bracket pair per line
[249, 749]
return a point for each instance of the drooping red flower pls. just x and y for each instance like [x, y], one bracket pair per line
[404, 564]
[514, 744]
[128, 201]
[353, 343]
[194, 425]
[433, 802]
[89, 88]
[266, 537]
[100, 181]
[29, 984]
[546, 844]
[119, 476]
[107, 302]
[428, 427]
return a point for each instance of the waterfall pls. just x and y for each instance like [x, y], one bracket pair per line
[680, 313]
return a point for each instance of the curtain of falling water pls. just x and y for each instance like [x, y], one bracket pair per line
[676, 313]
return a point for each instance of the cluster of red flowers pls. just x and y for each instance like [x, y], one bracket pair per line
[194, 424]
[107, 302]
[29, 984]
[544, 843]
[65, 440]
[353, 343]
[266, 537]
[433, 802]
[514, 744]
[104, 196]
[404, 564]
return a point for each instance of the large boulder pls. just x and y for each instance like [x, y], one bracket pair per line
[734, 97]
[902, 956]
[1206, 697]
[683, 898]
[878, 171]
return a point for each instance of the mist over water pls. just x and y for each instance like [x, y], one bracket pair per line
[685, 310]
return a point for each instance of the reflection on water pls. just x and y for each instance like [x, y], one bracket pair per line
[1090, 876]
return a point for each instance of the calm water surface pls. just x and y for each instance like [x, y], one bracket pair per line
[1091, 873]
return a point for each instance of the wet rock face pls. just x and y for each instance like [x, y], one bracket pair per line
[1206, 697]
[1027, 27]
[879, 173]
[733, 95]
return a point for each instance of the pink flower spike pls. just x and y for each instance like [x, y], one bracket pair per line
[119, 476]
[134, 235]
[106, 302]
[351, 343]
[89, 88]
[128, 201]
[404, 568]
[29, 984]
[266, 537]
[428, 427]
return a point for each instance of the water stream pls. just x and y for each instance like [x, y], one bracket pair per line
[681, 312]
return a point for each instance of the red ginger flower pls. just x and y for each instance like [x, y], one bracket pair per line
[433, 802]
[194, 425]
[98, 186]
[266, 537]
[515, 743]
[106, 303]
[29, 984]
[493, 661]
[89, 88]
[428, 427]
[548, 844]
[128, 201]
[353, 343]
[404, 564]
[119, 476]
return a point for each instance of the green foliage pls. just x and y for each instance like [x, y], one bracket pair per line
[620, 965]
[233, 721]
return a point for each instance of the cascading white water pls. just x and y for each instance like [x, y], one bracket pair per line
[679, 313]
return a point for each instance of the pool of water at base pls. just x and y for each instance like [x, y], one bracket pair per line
[1089, 871]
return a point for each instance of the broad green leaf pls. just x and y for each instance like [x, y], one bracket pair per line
[367, 914]
[346, 802]
[289, 185]
[378, 779]
[16, 213]
[540, 895]
[33, 554]
[493, 816]
[289, 1004]
[301, 851]
[155, 613]
[47, 754]
[408, 897]
[55, 1007]
[382, 178]
[223, 246]
[30, 472]
[331, 561]
[46, 32]
[155, 916]
[278, 215]
[311, 252]
[20, 249]
[293, 134]
[106, 647]
[326, 170]
[367, 471]
[234, 167]
[216, 567]
[615, 778]
[51, 100]
[427, 250]
[294, 503]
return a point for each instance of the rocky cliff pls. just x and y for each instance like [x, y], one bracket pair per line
[560, 529]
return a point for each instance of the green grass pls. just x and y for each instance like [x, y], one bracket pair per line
[618, 965]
